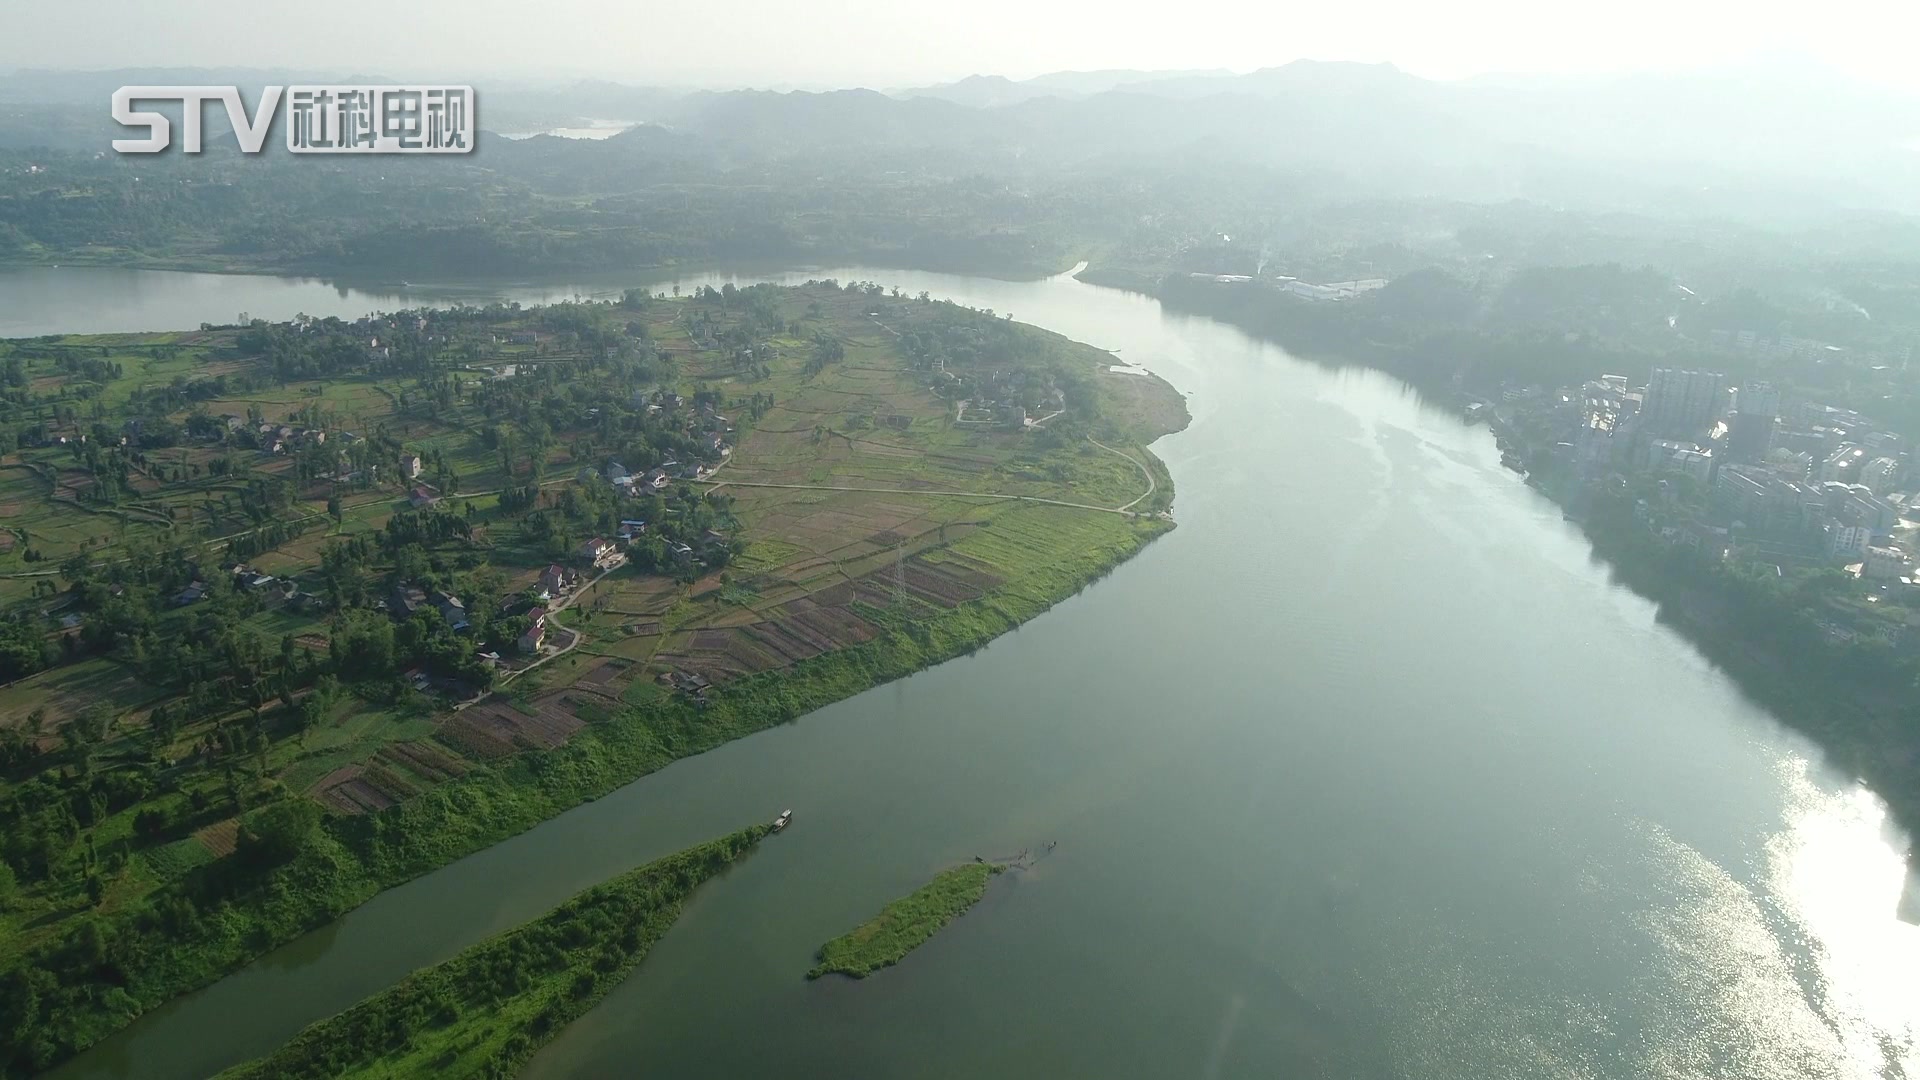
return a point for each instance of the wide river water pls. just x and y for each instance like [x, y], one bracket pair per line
[1366, 770]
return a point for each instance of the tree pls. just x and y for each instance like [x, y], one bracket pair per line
[150, 823]
[278, 832]
[84, 732]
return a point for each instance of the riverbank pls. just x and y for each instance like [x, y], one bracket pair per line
[361, 856]
[336, 873]
[484, 1012]
[1854, 708]
[907, 923]
[1855, 724]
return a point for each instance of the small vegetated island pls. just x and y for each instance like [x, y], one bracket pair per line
[484, 1012]
[293, 612]
[905, 924]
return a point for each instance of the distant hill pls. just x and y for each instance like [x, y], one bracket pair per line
[991, 91]
[1755, 140]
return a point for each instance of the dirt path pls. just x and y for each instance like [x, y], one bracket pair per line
[576, 636]
[1144, 471]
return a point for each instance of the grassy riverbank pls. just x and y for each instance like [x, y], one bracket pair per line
[158, 955]
[905, 924]
[484, 1012]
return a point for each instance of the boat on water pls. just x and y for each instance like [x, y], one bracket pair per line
[781, 821]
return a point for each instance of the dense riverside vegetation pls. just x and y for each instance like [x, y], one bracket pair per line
[204, 758]
[483, 1013]
[905, 924]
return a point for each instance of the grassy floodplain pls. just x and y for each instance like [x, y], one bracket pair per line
[906, 924]
[484, 1012]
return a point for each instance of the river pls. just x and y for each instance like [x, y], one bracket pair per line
[1367, 770]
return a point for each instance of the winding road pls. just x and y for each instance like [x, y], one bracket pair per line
[577, 635]
[1144, 471]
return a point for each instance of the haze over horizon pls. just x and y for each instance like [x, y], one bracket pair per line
[761, 43]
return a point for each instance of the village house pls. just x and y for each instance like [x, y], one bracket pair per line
[630, 530]
[422, 497]
[536, 634]
[190, 594]
[409, 466]
[557, 579]
[686, 682]
[598, 552]
[452, 609]
[404, 600]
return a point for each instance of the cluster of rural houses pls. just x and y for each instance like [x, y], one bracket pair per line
[273, 591]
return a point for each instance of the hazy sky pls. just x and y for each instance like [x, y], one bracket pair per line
[894, 43]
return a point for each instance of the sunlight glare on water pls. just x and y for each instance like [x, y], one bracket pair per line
[1838, 870]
